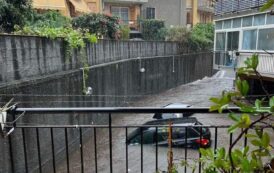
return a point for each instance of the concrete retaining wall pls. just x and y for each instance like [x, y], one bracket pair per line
[25, 57]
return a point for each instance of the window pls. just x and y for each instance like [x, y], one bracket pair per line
[249, 40]
[232, 41]
[259, 20]
[188, 18]
[121, 12]
[266, 39]
[220, 41]
[227, 24]
[270, 19]
[237, 23]
[247, 21]
[219, 25]
[150, 13]
[148, 136]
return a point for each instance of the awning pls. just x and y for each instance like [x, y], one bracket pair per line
[49, 4]
[80, 6]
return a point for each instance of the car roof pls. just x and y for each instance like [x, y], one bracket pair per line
[177, 105]
[177, 121]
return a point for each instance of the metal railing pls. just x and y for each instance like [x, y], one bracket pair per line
[231, 6]
[51, 147]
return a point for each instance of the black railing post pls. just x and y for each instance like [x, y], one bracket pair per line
[25, 150]
[95, 150]
[200, 155]
[186, 149]
[38, 148]
[142, 140]
[156, 159]
[11, 154]
[110, 141]
[52, 150]
[126, 150]
[81, 150]
[67, 150]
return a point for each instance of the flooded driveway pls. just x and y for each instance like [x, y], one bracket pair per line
[196, 94]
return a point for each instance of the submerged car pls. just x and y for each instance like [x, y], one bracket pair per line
[186, 136]
[173, 115]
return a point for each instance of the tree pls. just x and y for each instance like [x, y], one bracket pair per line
[13, 12]
[269, 4]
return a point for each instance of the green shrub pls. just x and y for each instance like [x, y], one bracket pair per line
[13, 12]
[50, 18]
[124, 32]
[99, 24]
[202, 36]
[180, 34]
[153, 29]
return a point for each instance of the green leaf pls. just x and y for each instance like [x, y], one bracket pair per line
[255, 61]
[220, 110]
[214, 108]
[234, 117]
[271, 102]
[259, 132]
[245, 121]
[203, 152]
[245, 88]
[265, 140]
[215, 100]
[221, 153]
[232, 128]
[245, 150]
[245, 165]
[256, 142]
[258, 104]
[249, 135]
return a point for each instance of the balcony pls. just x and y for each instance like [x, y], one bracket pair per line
[223, 7]
[126, 1]
[205, 6]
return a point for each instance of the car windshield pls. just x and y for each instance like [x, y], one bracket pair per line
[172, 115]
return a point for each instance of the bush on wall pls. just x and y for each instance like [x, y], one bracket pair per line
[49, 18]
[153, 29]
[202, 36]
[13, 12]
[124, 32]
[99, 24]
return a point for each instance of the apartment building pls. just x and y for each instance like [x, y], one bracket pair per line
[241, 27]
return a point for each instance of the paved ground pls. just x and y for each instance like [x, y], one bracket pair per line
[196, 94]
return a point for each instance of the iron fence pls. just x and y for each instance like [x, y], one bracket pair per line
[52, 147]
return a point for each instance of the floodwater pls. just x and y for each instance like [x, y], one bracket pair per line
[196, 94]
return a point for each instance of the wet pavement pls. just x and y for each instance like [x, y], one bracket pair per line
[196, 94]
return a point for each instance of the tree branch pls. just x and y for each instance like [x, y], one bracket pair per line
[240, 136]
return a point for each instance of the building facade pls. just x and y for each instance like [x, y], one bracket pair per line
[179, 12]
[128, 10]
[173, 12]
[241, 27]
[199, 11]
